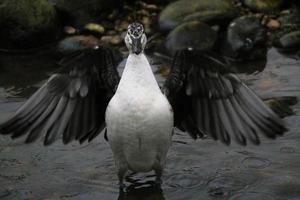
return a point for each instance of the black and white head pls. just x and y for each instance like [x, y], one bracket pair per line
[135, 38]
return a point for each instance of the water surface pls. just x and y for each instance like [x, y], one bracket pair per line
[195, 170]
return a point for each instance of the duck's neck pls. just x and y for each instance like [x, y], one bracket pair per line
[138, 72]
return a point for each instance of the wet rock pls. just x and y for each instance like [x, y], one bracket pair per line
[122, 26]
[245, 38]
[164, 71]
[203, 10]
[290, 17]
[273, 24]
[193, 35]
[264, 5]
[287, 37]
[151, 7]
[26, 23]
[290, 41]
[114, 39]
[70, 30]
[78, 42]
[82, 12]
[281, 105]
[146, 21]
[288, 100]
[98, 28]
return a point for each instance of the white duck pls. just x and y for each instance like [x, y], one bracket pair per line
[87, 95]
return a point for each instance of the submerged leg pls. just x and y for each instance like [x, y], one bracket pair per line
[121, 175]
[158, 173]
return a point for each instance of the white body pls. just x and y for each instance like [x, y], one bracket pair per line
[139, 119]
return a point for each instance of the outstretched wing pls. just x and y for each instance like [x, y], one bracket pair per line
[209, 100]
[72, 103]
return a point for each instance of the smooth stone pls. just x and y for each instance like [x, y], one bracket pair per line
[290, 40]
[264, 5]
[273, 24]
[245, 36]
[27, 23]
[286, 37]
[94, 27]
[70, 30]
[78, 42]
[203, 10]
[112, 39]
[192, 35]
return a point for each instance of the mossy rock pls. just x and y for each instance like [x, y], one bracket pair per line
[193, 35]
[203, 10]
[82, 12]
[26, 23]
[264, 5]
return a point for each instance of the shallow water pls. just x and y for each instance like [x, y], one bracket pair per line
[195, 170]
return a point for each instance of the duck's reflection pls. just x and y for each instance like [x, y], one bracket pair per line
[148, 191]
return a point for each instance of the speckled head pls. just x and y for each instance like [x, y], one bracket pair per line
[135, 38]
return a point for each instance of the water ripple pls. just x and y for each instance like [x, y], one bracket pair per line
[252, 196]
[184, 180]
[256, 162]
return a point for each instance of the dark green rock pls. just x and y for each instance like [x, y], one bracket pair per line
[245, 38]
[82, 12]
[193, 35]
[26, 23]
[287, 37]
[203, 10]
[264, 5]
[289, 41]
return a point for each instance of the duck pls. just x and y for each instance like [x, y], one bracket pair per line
[87, 97]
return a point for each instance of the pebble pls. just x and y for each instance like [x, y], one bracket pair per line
[146, 21]
[78, 42]
[95, 27]
[123, 25]
[115, 39]
[273, 24]
[143, 12]
[151, 7]
[285, 12]
[70, 30]
[164, 71]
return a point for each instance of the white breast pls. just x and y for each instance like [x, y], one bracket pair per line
[139, 118]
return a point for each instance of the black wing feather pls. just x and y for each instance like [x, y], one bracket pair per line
[222, 105]
[72, 103]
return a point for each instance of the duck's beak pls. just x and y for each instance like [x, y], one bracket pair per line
[136, 46]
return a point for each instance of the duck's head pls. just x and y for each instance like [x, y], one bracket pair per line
[135, 38]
